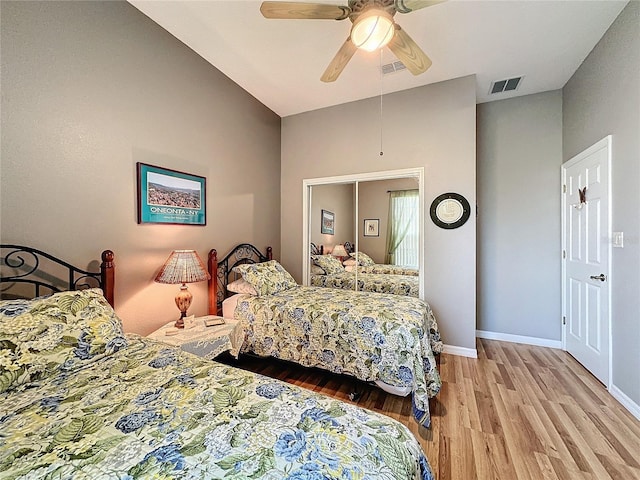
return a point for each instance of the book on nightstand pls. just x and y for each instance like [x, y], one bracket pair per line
[212, 320]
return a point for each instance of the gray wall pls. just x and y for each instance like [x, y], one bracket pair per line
[339, 200]
[519, 265]
[432, 126]
[88, 90]
[373, 202]
[602, 98]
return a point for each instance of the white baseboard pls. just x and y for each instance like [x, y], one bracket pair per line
[507, 337]
[615, 392]
[626, 402]
[460, 351]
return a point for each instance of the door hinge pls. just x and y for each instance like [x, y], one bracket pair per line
[564, 254]
[564, 189]
[564, 320]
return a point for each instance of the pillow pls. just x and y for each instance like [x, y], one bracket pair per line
[241, 286]
[350, 262]
[267, 278]
[61, 332]
[328, 263]
[316, 270]
[364, 260]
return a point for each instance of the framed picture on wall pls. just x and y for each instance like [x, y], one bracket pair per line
[328, 222]
[371, 227]
[171, 197]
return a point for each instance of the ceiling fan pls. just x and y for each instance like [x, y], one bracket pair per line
[373, 28]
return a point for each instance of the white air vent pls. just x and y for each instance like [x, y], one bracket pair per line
[507, 85]
[393, 67]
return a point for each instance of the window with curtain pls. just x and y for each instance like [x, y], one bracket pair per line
[403, 231]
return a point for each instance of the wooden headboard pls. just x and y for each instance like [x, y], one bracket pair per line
[33, 272]
[222, 271]
[319, 250]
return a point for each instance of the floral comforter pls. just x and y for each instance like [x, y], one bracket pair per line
[365, 282]
[383, 269]
[371, 336]
[142, 409]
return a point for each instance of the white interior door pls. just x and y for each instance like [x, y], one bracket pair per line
[586, 263]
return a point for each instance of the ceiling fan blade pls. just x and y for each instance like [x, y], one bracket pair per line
[408, 52]
[406, 6]
[340, 61]
[305, 11]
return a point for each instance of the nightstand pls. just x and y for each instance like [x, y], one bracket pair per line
[207, 342]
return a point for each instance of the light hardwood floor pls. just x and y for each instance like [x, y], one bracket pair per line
[515, 412]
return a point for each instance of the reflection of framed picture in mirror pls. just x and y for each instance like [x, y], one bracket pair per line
[371, 227]
[328, 222]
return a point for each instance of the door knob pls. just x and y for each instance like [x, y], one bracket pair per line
[602, 277]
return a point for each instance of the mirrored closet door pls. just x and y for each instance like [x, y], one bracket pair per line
[371, 223]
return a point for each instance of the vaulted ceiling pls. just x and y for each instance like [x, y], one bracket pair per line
[280, 61]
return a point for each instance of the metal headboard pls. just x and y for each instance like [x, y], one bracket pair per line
[317, 250]
[22, 266]
[222, 271]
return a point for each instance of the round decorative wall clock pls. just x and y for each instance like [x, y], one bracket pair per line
[450, 210]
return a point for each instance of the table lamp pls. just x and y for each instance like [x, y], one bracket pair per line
[183, 266]
[339, 251]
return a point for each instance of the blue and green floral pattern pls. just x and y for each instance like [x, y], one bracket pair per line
[362, 258]
[381, 268]
[365, 282]
[267, 277]
[152, 411]
[371, 336]
[56, 333]
[328, 263]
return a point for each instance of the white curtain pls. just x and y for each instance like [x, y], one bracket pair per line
[403, 230]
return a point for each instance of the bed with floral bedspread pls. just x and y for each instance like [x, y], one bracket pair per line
[366, 265]
[365, 282]
[371, 336]
[80, 400]
[383, 269]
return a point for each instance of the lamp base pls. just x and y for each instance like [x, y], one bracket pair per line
[183, 302]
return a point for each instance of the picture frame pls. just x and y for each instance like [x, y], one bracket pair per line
[170, 197]
[371, 227]
[328, 222]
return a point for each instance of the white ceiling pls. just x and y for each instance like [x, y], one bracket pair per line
[280, 61]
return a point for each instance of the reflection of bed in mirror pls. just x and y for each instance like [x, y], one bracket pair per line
[386, 339]
[380, 215]
[365, 264]
[328, 272]
[368, 282]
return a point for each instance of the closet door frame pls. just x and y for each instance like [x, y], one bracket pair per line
[307, 184]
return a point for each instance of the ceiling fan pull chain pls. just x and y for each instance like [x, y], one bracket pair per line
[380, 73]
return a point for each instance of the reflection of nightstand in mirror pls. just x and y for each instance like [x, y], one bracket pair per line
[201, 340]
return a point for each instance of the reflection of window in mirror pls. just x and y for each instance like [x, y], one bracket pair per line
[394, 220]
[403, 231]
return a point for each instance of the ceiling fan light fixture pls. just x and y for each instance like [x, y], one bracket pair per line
[372, 30]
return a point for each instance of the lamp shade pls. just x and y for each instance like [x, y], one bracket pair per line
[372, 30]
[183, 266]
[339, 251]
